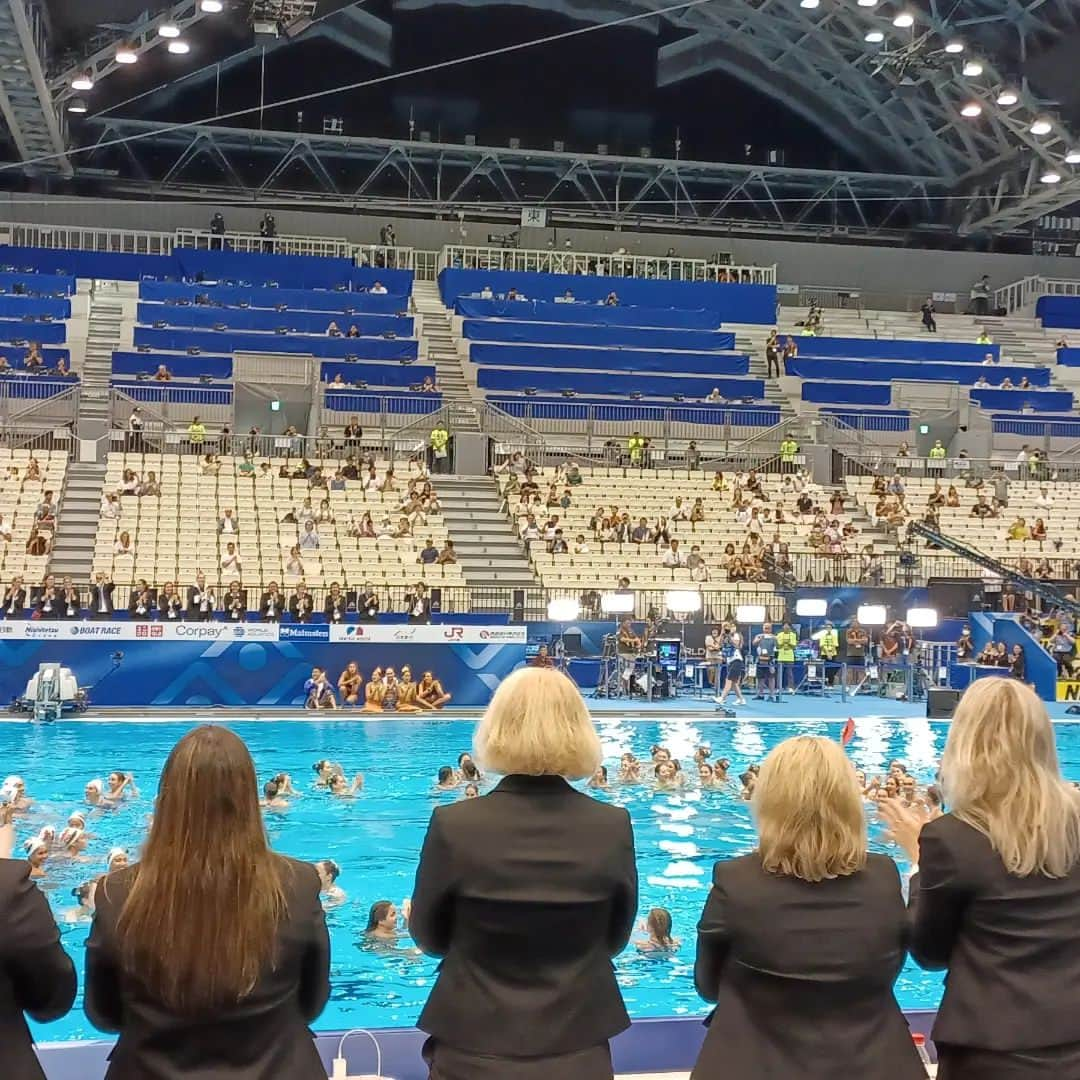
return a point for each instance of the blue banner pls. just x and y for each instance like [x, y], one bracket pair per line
[231, 671]
[546, 311]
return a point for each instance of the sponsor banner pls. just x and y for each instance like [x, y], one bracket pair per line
[40, 630]
[443, 634]
[1068, 690]
[316, 632]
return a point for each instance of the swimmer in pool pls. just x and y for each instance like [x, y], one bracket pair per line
[325, 771]
[720, 770]
[382, 925]
[349, 683]
[117, 859]
[471, 791]
[599, 779]
[13, 792]
[446, 780]
[668, 776]
[95, 794]
[629, 769]
[84, 909]
[657, 925]
[332, 893]
[272, 797]
[285, 785]
[702, 753]
[37, 853]
[341, 787]
[121, 786]
[659, 753]
[706, 775]
[467, 769]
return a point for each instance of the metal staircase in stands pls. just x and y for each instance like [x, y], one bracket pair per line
[999, 569]
[442, 347]
[103, 336]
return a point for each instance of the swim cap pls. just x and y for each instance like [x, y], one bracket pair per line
[114, 854]
[34, 845]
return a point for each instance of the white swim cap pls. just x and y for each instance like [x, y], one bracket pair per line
[114, 854]
[97, 786]
[34, 845]
[77, 819]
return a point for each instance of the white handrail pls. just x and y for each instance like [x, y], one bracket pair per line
[566, 261]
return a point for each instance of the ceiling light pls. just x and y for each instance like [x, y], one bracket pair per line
[809, 3]
[1073, 157]
[169, 30]
[125, 54]
[212, 7]
[1051, 178]
[179, 47]
[954, 47]
[1041, 127]
[83, 81]
[76, 105]
[973, 108]
[868, 3]
[1008, 97]
[904, 20]
[875, 37]
[973, 68]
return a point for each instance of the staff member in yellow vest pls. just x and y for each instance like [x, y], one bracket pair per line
[196, 434]
[439, 440]
[829, 647]
[936, 456]
[635, 447]
[788, 449]
[786, 641]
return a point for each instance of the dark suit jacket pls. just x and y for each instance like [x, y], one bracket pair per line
[20, 604]
[95, 598]
[265, 1035]
[526, 894]
[194, 610]
[36, 975]
[802, 975]
[1011, 945]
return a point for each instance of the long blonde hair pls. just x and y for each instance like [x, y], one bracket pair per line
[1000, 775]
[538, 724]
[199, 924]
[809, 811]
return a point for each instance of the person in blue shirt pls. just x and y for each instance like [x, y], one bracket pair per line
[765, 650]
[430, 553]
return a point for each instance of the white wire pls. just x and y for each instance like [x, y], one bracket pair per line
[378, 1049]
[364, 84]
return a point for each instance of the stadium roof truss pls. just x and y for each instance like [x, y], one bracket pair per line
[894, 106]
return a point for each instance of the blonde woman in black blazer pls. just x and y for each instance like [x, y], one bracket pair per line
[995, 899]
[527, 894]
[801, 941]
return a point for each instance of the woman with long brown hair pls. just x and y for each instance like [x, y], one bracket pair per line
[210, 955]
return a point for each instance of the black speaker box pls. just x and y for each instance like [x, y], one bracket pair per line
[941, 703]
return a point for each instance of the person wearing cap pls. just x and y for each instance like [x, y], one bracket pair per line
[117, 859]
[38, 976]
[37, 852]
[95, 792]
[13, 792]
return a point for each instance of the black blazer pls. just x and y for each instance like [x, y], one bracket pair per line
[18, 608]
[194, 608]
[526, 894]
[36, 975]
[280, 605]
[802, 975]
[1011, 945]
[264, 1035]
[97, 593]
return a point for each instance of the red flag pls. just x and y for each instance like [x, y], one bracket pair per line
[848, 733]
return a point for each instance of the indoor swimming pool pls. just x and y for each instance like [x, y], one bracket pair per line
[376, 837]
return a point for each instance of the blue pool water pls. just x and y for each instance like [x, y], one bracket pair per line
[376, 837]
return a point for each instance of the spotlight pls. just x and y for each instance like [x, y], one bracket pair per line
[875, 37]
[1008, 97]
[1041, 127]
[954, 47]
[811, 609]
[179, 48]
[1073, 157]
[563, 609]
[76, 105]
[972, 69]
[922, 618]
[750, 613]
[212, 7]
[169, 30]
[904, 20]
[125, 54]
[1050, 178]
[872, 614]
[811, 4]
[868, 3]
[617, 603]
[83, 81]
[682, 601]
[973, 108]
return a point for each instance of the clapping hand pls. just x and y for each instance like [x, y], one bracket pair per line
[905, 824]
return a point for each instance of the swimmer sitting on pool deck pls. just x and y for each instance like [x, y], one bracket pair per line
[320, 694]
[430, 693]
[349, 684]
